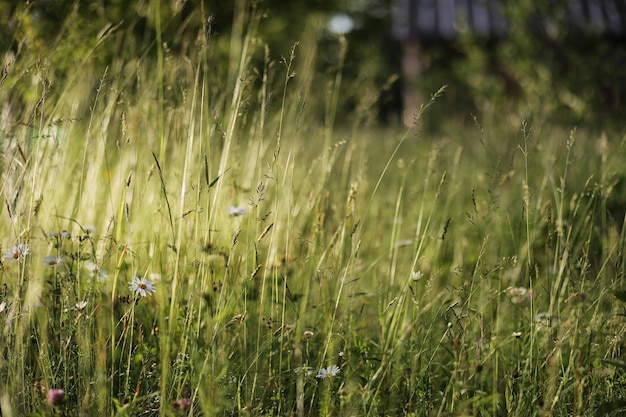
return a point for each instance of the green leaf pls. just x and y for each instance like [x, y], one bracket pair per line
[214, 181]
[616, 362]
[620, 295]
[611, 406]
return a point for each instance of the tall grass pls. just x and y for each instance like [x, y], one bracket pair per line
[472, 273]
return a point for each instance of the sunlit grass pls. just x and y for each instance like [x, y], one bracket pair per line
[298, 267]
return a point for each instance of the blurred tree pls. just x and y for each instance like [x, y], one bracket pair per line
[71, 29]
[568, 65]
[558, 59]
[553, 66]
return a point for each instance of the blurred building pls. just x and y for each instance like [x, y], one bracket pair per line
[415, 22]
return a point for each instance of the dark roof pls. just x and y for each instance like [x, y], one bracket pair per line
[437, 19]
[598, 15]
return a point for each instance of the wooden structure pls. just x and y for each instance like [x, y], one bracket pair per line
[417, 21]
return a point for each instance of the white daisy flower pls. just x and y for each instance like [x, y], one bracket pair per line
[519, 294]
[17, 252]
[142, 287]
[95, 271]
[237, 211]
[80, 305]
[53, 261]
[416, 275]
[402, 243]
[543, 317]
[329, 372]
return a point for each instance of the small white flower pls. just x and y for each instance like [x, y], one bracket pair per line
[519, 294]
[3, 305]
[341, 353]
[416, 275]
[237, 211]
[517, 291]
[92, 267]
[35, 304]
[307, 334]
[53, 261]
[340, 24]
[141, 287]
[517, 335]
[66, 234]
[80, 305]
[543, 317]
[329, 372]
[402, 243]
[95, 271]
[17, 252]
[90, 230]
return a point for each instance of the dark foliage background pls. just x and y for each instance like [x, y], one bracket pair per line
[572, 76]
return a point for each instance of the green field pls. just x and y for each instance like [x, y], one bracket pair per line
[304, 261]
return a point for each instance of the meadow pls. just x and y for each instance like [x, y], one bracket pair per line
[203, 232]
